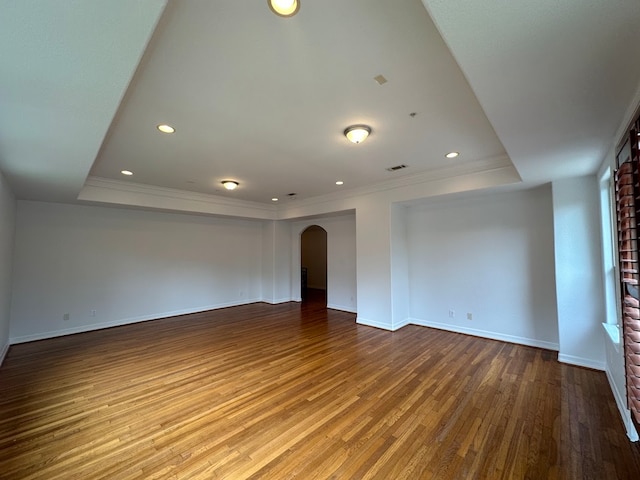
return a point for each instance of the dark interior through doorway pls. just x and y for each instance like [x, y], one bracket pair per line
[313, 262]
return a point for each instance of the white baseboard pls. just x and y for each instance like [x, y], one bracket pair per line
[277, 301]
[373, 323]
[622, 408]
[581, 362]
[3, 353]
[384, 326]
[530, 342]
[123, 321]
[401, 323]
[342, 308]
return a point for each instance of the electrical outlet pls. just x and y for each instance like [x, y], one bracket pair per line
[452, 313]
[65, 316]
[469, 316]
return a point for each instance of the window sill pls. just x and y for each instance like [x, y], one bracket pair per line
[613, 332]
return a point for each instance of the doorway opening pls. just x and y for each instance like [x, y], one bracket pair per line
[313, 262]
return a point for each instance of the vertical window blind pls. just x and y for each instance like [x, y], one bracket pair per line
[627, 180]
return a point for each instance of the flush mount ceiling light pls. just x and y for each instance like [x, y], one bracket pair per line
[357, 133]
[126, 172]
[166, 128]
[230, 184]
[452, 154]
[274, 199]
[284, 8]
[339, 182]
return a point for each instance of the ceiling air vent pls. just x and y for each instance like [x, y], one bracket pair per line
[380, 80]
[397, 167]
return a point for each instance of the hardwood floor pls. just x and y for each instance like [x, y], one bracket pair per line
[291, 391]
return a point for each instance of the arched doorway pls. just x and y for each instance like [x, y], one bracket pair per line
[313, 261]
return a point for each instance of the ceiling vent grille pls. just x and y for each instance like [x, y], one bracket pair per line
[397, 167]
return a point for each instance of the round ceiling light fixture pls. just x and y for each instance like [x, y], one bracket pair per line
[284, 8]
[452, 154]
[164, 128]
[357, 133]
[230, 184]
[339, 182]
[126, 172]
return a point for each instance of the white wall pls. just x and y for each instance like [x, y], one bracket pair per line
[373, 242]
[400, 288]
[276, 262]
[282, 262]
[7, 230]
[126, 265]
[491, 256]
[267, 261]
[579, 286]
[341, 259]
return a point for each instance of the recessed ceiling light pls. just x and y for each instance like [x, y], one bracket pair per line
[230, 184]
[339, 182]
[166, 128]
[357, 133]
[452, 154]
[126, 172]
[284, 8]
[274, 199]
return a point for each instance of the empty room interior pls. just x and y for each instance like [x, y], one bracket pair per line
[356, 239]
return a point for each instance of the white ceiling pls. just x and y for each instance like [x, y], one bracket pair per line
[64, 67]
[554, 77]
[264, 100]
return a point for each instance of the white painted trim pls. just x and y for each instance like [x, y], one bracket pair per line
[613, 334]
[100, 189]
[124, 321]
[622, 408]
[632, 110]
[3, 353]
[374, 323]
[277, 301]
[531, 342]
[115, 192]
[581, 361]
[342, 308]
[449, 171]
[403, 323]
[141, 188]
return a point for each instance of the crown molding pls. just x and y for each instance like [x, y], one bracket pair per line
[105, 190]
[452, 171]
[633, 110]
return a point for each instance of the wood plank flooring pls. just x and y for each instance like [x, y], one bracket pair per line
[291, 391]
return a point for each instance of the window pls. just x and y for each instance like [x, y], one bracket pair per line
[609, 256]
[627, 200]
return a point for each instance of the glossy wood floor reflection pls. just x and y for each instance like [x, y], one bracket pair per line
[290, 391]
